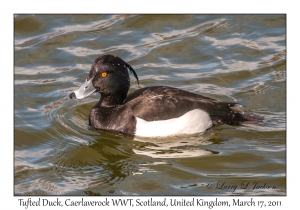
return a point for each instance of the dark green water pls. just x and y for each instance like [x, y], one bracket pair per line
[239, 58]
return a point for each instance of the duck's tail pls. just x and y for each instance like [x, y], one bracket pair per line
[236, 116]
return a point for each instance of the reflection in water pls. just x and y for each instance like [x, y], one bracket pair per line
[176, 147]
[112, 159]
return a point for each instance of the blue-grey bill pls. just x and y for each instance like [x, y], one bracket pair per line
[85, 90]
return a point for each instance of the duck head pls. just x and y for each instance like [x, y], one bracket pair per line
[108, 76]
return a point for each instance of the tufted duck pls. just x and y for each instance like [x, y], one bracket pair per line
[157, 111]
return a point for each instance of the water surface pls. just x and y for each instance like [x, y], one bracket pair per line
[240, 58]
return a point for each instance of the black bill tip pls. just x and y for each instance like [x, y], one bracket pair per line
[72, 95]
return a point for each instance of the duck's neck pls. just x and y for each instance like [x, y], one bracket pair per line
[111, 100]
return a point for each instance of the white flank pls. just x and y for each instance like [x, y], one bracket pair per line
[195, 121]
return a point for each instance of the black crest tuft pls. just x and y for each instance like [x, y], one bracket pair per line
[132, 71]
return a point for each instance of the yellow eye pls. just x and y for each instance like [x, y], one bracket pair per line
[104, 74]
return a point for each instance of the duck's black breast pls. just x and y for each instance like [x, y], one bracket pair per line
[118, 118]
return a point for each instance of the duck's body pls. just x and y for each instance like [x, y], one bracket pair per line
[157, 111]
